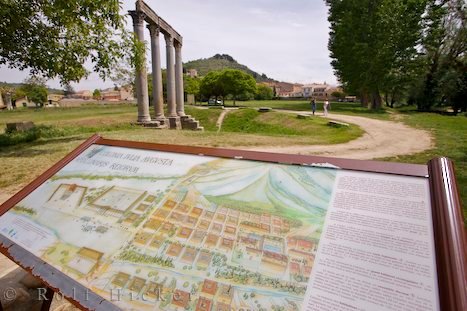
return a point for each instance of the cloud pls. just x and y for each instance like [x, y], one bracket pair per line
[285, 39]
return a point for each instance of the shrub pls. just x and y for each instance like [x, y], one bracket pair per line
[40, 131]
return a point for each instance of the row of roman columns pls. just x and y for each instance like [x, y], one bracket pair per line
[175, 98]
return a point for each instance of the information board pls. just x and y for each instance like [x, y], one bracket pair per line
[145, 228]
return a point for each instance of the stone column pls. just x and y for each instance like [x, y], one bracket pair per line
[157, 93]
[179, 79]
[174, 120]
[141, 82]
[9, 105]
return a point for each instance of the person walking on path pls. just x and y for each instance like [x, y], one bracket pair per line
[313, 105]
[326, 107]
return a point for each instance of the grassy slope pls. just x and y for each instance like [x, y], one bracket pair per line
[276, 123]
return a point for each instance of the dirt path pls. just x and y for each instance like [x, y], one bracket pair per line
[381, 139]
[221, 119]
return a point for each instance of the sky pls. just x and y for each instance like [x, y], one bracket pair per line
[285, 39]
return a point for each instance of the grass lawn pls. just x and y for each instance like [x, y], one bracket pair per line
[304, 105]
[450, 133]
[276, 123]
[23, 162]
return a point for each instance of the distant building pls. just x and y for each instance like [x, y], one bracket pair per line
[124, 93]
[54, 99]
[318, 91]
[84, 94]
[297, 90]
[192, 72]
[25, 102]
[286, 90]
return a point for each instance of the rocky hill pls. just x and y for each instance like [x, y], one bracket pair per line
[223, 61]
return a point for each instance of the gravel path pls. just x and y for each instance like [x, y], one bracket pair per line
[381, 139]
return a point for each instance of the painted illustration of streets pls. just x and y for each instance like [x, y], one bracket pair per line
[216, 234]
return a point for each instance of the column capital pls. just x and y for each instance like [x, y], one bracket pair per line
[177, 45]
[169, 40]
[154, 29]
[138, 17]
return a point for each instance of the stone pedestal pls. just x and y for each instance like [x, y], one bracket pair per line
[174, 123]
[163, 121]
[189, 123]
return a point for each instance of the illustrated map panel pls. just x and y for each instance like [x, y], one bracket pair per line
[154, 230]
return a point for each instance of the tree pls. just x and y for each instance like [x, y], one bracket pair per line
[371, 41]
[444, 50]
[192, 86]
[36, 90]
[68, 90]
[211, 85]
[96, 94]
[263, 92]
[18, 93]
[238, 83]
[54, 39]
[338, 95]
[228, 82]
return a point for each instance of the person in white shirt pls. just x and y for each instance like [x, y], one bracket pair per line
[325, 107]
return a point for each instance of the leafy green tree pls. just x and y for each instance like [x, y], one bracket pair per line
[444, 49]
[18, 93]
[54, 39]
[36, 90]
[211, 85]
[371, 41]
[192, 86]
[337, 94]
[238, 84]
[264, 92]
[96, 94]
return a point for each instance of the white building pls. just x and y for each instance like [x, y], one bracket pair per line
[318, 91]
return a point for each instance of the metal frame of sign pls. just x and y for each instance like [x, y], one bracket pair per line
[451, 255]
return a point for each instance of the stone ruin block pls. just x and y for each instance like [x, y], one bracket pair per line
[338, 124]
[19, 126]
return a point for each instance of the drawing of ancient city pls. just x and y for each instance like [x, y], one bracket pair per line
[224, 235]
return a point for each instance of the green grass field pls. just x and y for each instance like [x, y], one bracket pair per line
[304, 105]
[61, 130]
[276, 123]
[450, 133]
